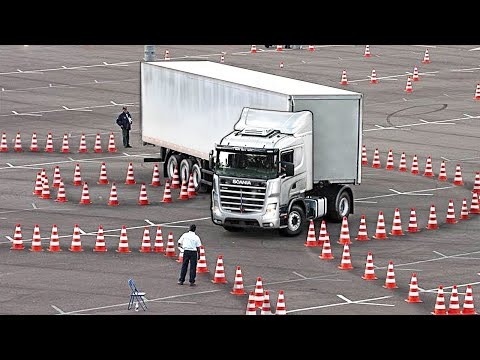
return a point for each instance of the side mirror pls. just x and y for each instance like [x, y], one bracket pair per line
[210, 159]
[288, 168]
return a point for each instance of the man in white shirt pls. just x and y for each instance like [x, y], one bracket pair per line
[190, 244]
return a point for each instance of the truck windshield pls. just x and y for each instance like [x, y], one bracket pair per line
[244, 164]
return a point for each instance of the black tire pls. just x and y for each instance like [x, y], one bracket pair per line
[185, 169]
[339, 206]
[197, 176]
[295, 222]
[172, 162]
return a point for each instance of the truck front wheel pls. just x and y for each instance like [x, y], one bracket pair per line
[295, 222]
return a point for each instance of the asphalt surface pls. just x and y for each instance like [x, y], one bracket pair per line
[81, 89]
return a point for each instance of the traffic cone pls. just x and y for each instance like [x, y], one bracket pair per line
[477, 93]
[253, 49]
[397, 224]
[408, 87]
[426, 57]
[83, 144]
[191, 187]
[367, 51]
[45, 188]
[222, 59]
[451, 213]
[440, 303]
[281, 64]
[34, 143]
[428, 168]
[413, 295]
[85, 199]
[18, 143]
[362, 230]
[238, 283]
[183, 192]
[202, 262]
[373, 78]
[414, 170]
[322, 235]
[412, 224]
[454, 305]
[344, 233]
[146, 245]
[344, 80]
[180, 256]
[390, 165]
[155, 176]
[130, 180]
[280, 308]
[143, 199]
[123, 242]
[17, 243]
[458, 180]
[37, 190]
[464, 210]
[111, 144]
[49, 144]
[113, 200]
[476, 185]
[266, 307]
[65, 147]
[279, 48]
[77, 177]
[474, 206]
[259, 293]
[61, 197]
[170, 250]
[468, 306]
[376, 160]
[167, 195]
[251, 307]
[167, 55]
[346, 263]
[380, 233]
[54, 240]
[403, 163]
[56, 177]
[369, 269]
[36, 239]
[432, 220]
[103, 180]
[158, 245]
[76, 240]
[311, 48]
[415, 76]
[98, 144]
[175, 184]
[443, 172]
[4, 144]
[311, 237]
[100, 242]
[390, 280]
[364, 155]
[326, 250]
[219, 277]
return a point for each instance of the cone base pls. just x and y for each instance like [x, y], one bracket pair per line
[432, 227]
[143, 202]
[159, 250]
[369, 277]
[83, 151]
[413, 230]
[380, 237]
[402, 169]
[464, 217]
[54, 249]
[102, 182]
[458, 183]
[145, 250]
[439, 312]
[61, 200]
[99, 249]
[113, 203]
[219, 281]
[468, 312]
[238, 292]
[345, 267]
[166, 201]
[112, 150]
[130, 182]
[202, 270]
[396, 233]
[390, 286]
[310, 243]
[344, 242]
[123, 250]
[85, 202]
[65, 151]
[17, 247]
[429, 174]
[442, 178]
[33, 149]
[168, 254]
[326, 257]
[474, 211]
[362, 238]
[155, 184]
[36, 248]
[451, 221]
[453, 312]
[413, 300]
[75, 248]
[415, 172]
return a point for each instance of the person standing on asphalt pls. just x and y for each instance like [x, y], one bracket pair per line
[124, 120]
[190, 243]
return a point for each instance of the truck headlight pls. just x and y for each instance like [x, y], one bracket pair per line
[215, 206]
[271, 209]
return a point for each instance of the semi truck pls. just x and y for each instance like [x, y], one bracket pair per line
[274, 152]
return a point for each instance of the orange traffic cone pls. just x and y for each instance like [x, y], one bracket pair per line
[167, 55]
[167, 195]
[36, 239]
[158, 245]
[219, 277]
[238, 283]
[326, 250]
[408, 87]
[77, 177]
[45, 188]
[369, 269]
[403, 163]
[251, 307]
[49, 144]
[397, 224]
[428, 168]
[458, 180]
[76, 240]
[100, 241]
[311, 237]
[83, 144]
[426, 57]
[54, 240]
[412, 224]
[4, 144]
[281, 309]
[61, 197]
[390, 280]
[414, 170]
[322, 235]
[346, 263]
[376, 160]
[344, 233]
[111, 144]
[476, 185]
[191, 187]
[98, 144]
[143, 199]
[18, 143]
[380, 233]
[311, 48]
[202, 262]
[454, 305]
[56, 177]
[390, 165]
[443, 172]
[183, 192]
[279, 48]
[155, 176]
[413, 295]
[123, 242]
[34, 143]
[464, 210]
[266, 307]
[362, 230]
[259, 293]
[468, 306]
[253, 49]
[373, 78]
[281, 64]
[364, 155]
[85, 199]
[113, 200]
[440, 303]
[130, 179]
[344, 80]
[146, 245]
[103, 179]
[180, 256]
[415, 76]
[477, 93]
[170, 250]
[432, 220]
[65, 148]
[367, 51]
[451, 213]
[37, 190]
[474, 206]
[175, 184]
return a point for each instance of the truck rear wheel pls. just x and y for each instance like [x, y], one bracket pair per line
[339, 206]
[185, 169]
[172, 163]
[197, 176]
[295, 222]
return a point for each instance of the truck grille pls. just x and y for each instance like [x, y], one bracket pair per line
[242, 198]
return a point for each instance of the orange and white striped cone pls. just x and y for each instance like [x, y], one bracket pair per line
[111, 143]
[100, 245]
[45, 188]
[311, 237]
[413, 294]
[464, 210]
[202, 262]
[219, 277]
[36, 239]
[158, 246]
[279, 48]
[167, 194]
[251, 307]
[454, 304]
[85, 199]
[130, 179]
[113, 199]
[34, 143]
[345, 263]
[222, 59]
[54, 240]
[476, 185]
[77, 177]
[191, 187]
[426, 57]
[432, 219]
[311, 48]
[238, 283]
[175, 183]
[362, 230]
[281, 65]
[440, 308]
[103, 179]
[443, 172]
[367, 51]
[415, 76]
[403, 163]
[76, 245]
[397, 224]
[468, 305]
[123, 242]
[170, 250]
[37, 190]
[167, 55]
[369, 273]
[390, 282]
[183, 192]
[56, 177]
[344, 80]
[259, 293]
[451, 213]
[253, 49]
[408, 86]
[83, 144]
[412, 224]
[143, 198]
[344, 233]
[380, 233]
[146, 245]
[474, 206]
[364, 155]
[155, 176]
[180, 256]
[18, 143]
[458, 180]
[477, 93]
[390, 165]
[65, 147]
[373, 77]
[61, 196]
[428, 168]
[281, 308]
[3, 143]
[49, 144]
[98, 144]
[414, 170]
[326, 249]
[322, 234]
[266, 306]
[376, 160]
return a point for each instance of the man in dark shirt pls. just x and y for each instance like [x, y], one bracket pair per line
[124, 120]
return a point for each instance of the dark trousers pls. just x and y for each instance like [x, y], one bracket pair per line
[126, 137]
[189, 257]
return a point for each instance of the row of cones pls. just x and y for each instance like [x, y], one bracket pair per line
[374, 79]
[259, 299]
[65, 146]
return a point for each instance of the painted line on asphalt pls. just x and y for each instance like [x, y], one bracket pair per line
[414, 192]
[347, 302]
[423, 122]
[58, 309]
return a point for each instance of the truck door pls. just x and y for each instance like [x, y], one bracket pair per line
[289, 187]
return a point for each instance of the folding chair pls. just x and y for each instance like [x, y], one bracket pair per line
[136, 295]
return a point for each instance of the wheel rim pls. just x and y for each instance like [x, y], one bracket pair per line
[196, 174]
[344, 207]
[294, 221]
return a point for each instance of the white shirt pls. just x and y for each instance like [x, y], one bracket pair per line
[189, 241]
